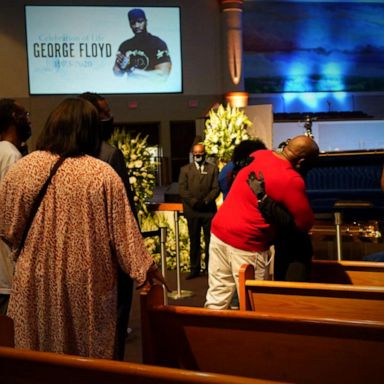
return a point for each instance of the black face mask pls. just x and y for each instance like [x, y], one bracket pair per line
[23, 149]
[305, 167]
[107, 128]
[23, 128]
[199, 159]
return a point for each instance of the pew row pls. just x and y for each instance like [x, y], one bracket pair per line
[19, 366]
[265, 345]
[315, 300]
[348, 272]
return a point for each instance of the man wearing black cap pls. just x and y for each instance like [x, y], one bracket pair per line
[144, 55]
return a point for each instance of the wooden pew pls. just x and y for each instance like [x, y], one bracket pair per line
[348, 272]
[261, 345]
[30, 367]
[316, 300]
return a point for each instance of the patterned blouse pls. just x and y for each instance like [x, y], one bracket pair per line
[64, 293]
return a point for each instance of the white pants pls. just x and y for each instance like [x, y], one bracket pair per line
[224, 265]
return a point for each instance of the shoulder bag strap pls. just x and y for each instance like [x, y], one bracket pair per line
[36, 204]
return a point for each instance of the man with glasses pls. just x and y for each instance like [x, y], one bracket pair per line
[15, 130]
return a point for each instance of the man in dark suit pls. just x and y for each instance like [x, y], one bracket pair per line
[114, 157]
[198, 189]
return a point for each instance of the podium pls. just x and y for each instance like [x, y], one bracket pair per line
[177, 209]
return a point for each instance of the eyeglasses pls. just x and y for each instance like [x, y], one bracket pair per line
[22, 115]
[109, 118]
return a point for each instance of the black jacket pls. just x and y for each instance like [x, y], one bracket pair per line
[199, 190]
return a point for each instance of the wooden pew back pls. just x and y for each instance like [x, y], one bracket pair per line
[348, 272]
[261, 345]
[30, 367]
[317, 300]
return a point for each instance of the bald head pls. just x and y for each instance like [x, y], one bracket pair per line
[301, 148]
[198, 149]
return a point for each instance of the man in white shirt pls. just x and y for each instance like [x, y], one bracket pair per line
[15, 129]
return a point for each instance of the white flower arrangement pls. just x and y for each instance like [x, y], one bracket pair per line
[225, 128]
[140, 165]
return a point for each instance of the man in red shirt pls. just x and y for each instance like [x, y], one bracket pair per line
[239, 232]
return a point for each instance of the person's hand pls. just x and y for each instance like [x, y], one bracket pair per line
[154, 274]
[257, 184]
[122, 61]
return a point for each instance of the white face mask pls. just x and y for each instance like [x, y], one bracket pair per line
[199, 158]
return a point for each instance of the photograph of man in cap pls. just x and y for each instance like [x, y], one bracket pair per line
[143, 55]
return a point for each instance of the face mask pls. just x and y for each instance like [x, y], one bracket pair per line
[23, 125]
[305, 167]
[24, 131]
[199, 159]
[23, 149]
[107, 128]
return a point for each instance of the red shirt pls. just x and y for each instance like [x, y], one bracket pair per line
[239, 222]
